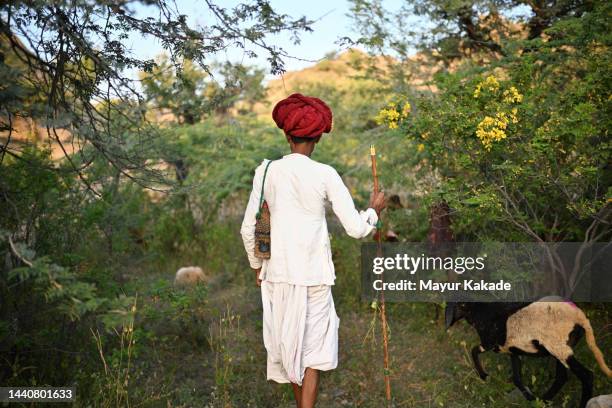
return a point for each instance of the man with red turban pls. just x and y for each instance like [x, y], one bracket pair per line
[300, 324]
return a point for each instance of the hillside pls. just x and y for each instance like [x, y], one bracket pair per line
[345, 72]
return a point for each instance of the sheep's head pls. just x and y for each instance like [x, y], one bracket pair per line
[454, 312]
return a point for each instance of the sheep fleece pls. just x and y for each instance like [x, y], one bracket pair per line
[189, 275]
[547, 322]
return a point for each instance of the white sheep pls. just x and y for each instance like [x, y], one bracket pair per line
[189, 276]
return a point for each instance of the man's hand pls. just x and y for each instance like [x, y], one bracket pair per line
[377, 201]
[257, 280]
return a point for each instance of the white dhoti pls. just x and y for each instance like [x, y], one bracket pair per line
[300, 330]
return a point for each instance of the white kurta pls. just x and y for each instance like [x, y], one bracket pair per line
[296, 189]
[300, 324]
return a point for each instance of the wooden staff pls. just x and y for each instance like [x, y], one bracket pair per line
[383, 314]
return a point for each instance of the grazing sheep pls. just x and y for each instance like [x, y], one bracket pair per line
[536, 329]
[189, 276]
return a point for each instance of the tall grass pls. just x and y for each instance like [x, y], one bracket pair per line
[114, 382]
[222, 334]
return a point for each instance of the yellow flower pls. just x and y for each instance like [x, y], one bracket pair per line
[406, 110]
[513, 115]
[512, 95]
[490, 84]
[501, 120]
[390, 115]
[420, 147]
[491, 130]
[381, 117]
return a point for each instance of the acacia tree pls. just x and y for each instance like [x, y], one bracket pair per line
[191, 92]
[454, 28]
[74, 55]
[182, 92]
[243, 86]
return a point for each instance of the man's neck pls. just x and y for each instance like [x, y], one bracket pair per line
[302, 148]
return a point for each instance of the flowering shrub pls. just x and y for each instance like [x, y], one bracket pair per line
[512, 95]
[492, 128]
[490, 84]
[393, 114]
[525, 157]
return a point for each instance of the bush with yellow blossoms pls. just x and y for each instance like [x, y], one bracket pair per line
[518, 146]
[393, 114]
[501, 103]
[490, 84]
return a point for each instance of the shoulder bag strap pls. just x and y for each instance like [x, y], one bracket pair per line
[261, 197]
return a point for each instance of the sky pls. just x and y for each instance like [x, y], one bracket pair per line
[333, 23]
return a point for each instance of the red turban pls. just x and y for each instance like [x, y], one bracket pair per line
[302, 116]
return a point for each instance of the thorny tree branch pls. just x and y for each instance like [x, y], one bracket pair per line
[74, 56]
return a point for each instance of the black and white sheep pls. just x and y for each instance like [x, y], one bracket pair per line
[541, 328]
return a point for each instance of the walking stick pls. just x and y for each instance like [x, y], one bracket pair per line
[383, 314]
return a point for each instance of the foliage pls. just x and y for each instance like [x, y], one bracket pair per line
[75, 230]
[74, 58]
[243, 87]
[47, 299]
[191, 93]
[453, 29]
[514, 139]
[185, 92]
[114, 384]
[522, 150]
